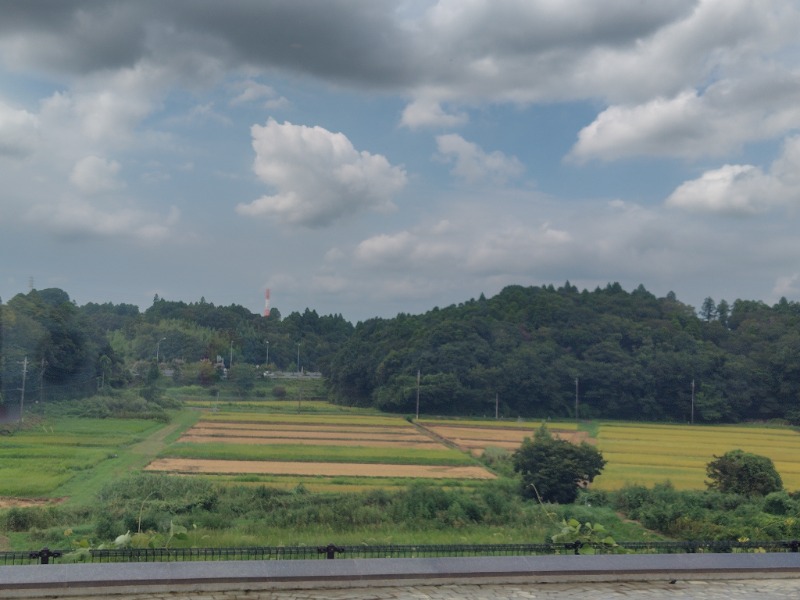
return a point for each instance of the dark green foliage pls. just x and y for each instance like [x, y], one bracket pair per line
[710, 514]
[23, 519]
[555, 470]
[116, 405]
[739, 472]
[634, 354]
[780, 503]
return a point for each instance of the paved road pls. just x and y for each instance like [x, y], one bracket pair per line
[751, 589]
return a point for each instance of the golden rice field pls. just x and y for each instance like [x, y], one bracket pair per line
[649, 454]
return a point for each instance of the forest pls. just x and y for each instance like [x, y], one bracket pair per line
[538, 351]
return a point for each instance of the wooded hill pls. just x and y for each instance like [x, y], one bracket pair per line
[632, 355]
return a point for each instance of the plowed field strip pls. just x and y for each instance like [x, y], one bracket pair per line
[375, 443]
[493, 435]
[181, 465]
[389, 430]
[307, 434]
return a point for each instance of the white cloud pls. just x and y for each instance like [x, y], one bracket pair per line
[429, 113]
[95, 175]
[743, 189]
[250, 91]
[720, 120]
[19, 132]
[787, 286]
[75, 218]
[318, 175]
[472, 164]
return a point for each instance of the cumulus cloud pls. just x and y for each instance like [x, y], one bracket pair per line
[250, 91]
[429, 113]
[690, 124]
[318, 175]
[715, 59]
[95, 175]
[472, 164]
[743, 189]
[18, 132]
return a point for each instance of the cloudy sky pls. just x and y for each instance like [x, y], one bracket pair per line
[369, 158]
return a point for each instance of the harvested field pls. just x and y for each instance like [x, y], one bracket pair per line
[312, 441]
[477, 439]
[174, 465]
[310, 434]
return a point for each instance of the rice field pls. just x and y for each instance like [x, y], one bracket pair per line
[36, 462]
[349, 451]
[294, 447]
[649, 454]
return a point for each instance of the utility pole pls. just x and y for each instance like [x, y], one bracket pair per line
[22, 389]
[692, 402]
[41, 381]
[496, 406]
[417, 394]
[230, 361]
[576, 400]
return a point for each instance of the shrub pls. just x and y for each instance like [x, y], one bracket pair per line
[779, 503]
[744, 473]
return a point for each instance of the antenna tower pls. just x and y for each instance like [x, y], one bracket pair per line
[266, 303]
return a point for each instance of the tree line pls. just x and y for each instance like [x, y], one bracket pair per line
[537, 351]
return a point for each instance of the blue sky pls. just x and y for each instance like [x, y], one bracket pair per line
[369, 158]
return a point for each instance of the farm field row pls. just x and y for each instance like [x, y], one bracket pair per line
[350, 451]
[365, 446]
[475, 439]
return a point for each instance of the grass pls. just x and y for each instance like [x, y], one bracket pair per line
[41, 460]
[82, 487]
[304, 453]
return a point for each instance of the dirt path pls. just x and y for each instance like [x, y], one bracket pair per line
[154, 443]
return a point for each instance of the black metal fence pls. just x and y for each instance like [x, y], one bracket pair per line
[330, 551]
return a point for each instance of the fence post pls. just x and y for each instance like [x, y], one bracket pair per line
[330, 550]
[44, 555]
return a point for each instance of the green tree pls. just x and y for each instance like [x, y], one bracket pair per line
[739, 472]
[554, 470]
[708, 311]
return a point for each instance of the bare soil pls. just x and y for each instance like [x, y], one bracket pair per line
[475, 439]
[325, 469]
[11, 502]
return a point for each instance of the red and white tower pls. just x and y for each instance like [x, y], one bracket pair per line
[266, 303]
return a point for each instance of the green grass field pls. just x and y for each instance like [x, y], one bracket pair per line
[303, 453]
[36, 462]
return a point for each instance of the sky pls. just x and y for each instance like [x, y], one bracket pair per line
[367, 158]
